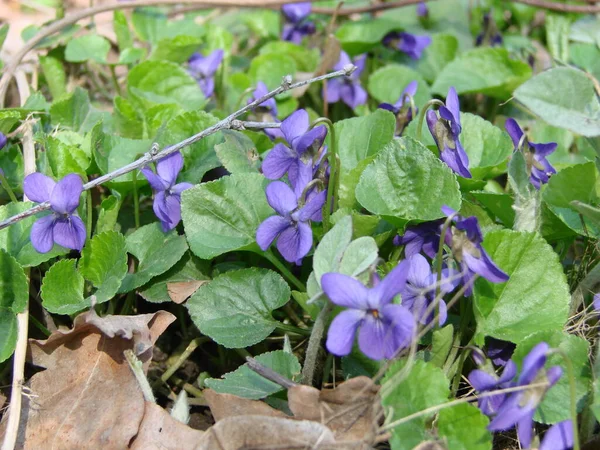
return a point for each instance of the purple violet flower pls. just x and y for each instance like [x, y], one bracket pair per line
[383, 328]
[63, 226]
[3, 140]
[418, 293]
[465, 239]
[499, 351]
[267, 110]
[558, 437]
[291, 227]
[402, 120]
[411, 44]
[489, 33]
[445, 130]
[596, 303]
[424, 237]
[422, 10]
[298, 157]
[203, 69]
[483, 381]
[519, 407]
[296, 26]
[348, 89]
[535, 154]
[167, 194]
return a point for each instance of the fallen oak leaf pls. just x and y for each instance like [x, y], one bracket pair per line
[223, 406]
[88, 398]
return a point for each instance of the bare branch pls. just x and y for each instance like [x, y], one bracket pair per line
[229, 122]
[269, 373]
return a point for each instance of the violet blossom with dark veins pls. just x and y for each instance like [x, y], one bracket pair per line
[384, 328]
[296, 26]
[295, 160]
[535, 154]
[348, 89]
[424, 237]
[203, 69]
[411, 44]
[167, 194]
[403, 118]
[419, 292]
[465, 238]
[519, 407]
[63, 226]
[291, 227]
[445, 130]
[484, 381]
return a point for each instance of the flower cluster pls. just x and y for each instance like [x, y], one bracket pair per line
[302, 203]
[411, 44]
[538, 166]
[63, 226]
[518, 408]
[348, 89]
[203, 69]
[445, 130]
[167, 194]
[402, 108]
[296, 26]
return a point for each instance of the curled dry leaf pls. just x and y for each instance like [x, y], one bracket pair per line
[160, 431]
[87, 397]
[351, 410]
[263, 432]
[223, 406]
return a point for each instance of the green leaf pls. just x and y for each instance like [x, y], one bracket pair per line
[131, 55]
[162, 82]
[442, 50]
[406, 395]
[199, 157]
[64, 159]
[265, 23]
[188, 269]
[104, 263]
[15, 239]
[62, 288]
[563, 97]
[88, 47]
[223, 215]
[75, 112]
[329, 252]
[408, 182]
[535, 298]
[218, 38]
[155, 251]
[588, 211]
[562, 190]
[361, 36]
[555, 406]
[246, 383]
[11, 161]
[464, 427]
[122, 32]
[235, 308]
[441, 345]
[8, 333]
[270, 68]
[500, 205]
[14, 293]
[557, 36]
[54, 71]
[149, 24]
[108, 214]
[485, 70]
[586, 57]
[177, 49]
[127, 119]
[238, 153]
[387, 84]
[306, 59]
[113, 152]
[486, 145]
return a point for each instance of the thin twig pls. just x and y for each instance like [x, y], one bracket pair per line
[269, 373]
[561, 7]
[228, 123]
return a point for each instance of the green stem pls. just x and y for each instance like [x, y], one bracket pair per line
[39, 326]
[284, 270]
[314, 344]
[427, 105]
[115, 80]
[440, 260]
[572, 393]
[332, 158]
[89, 217]
[6, 186]
[136, 200]
[292, 329]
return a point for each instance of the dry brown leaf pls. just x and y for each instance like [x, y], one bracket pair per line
[88, 397]
[223, 406]
[350, 410]
[182, 290]
[262, 432]
[159, 431]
